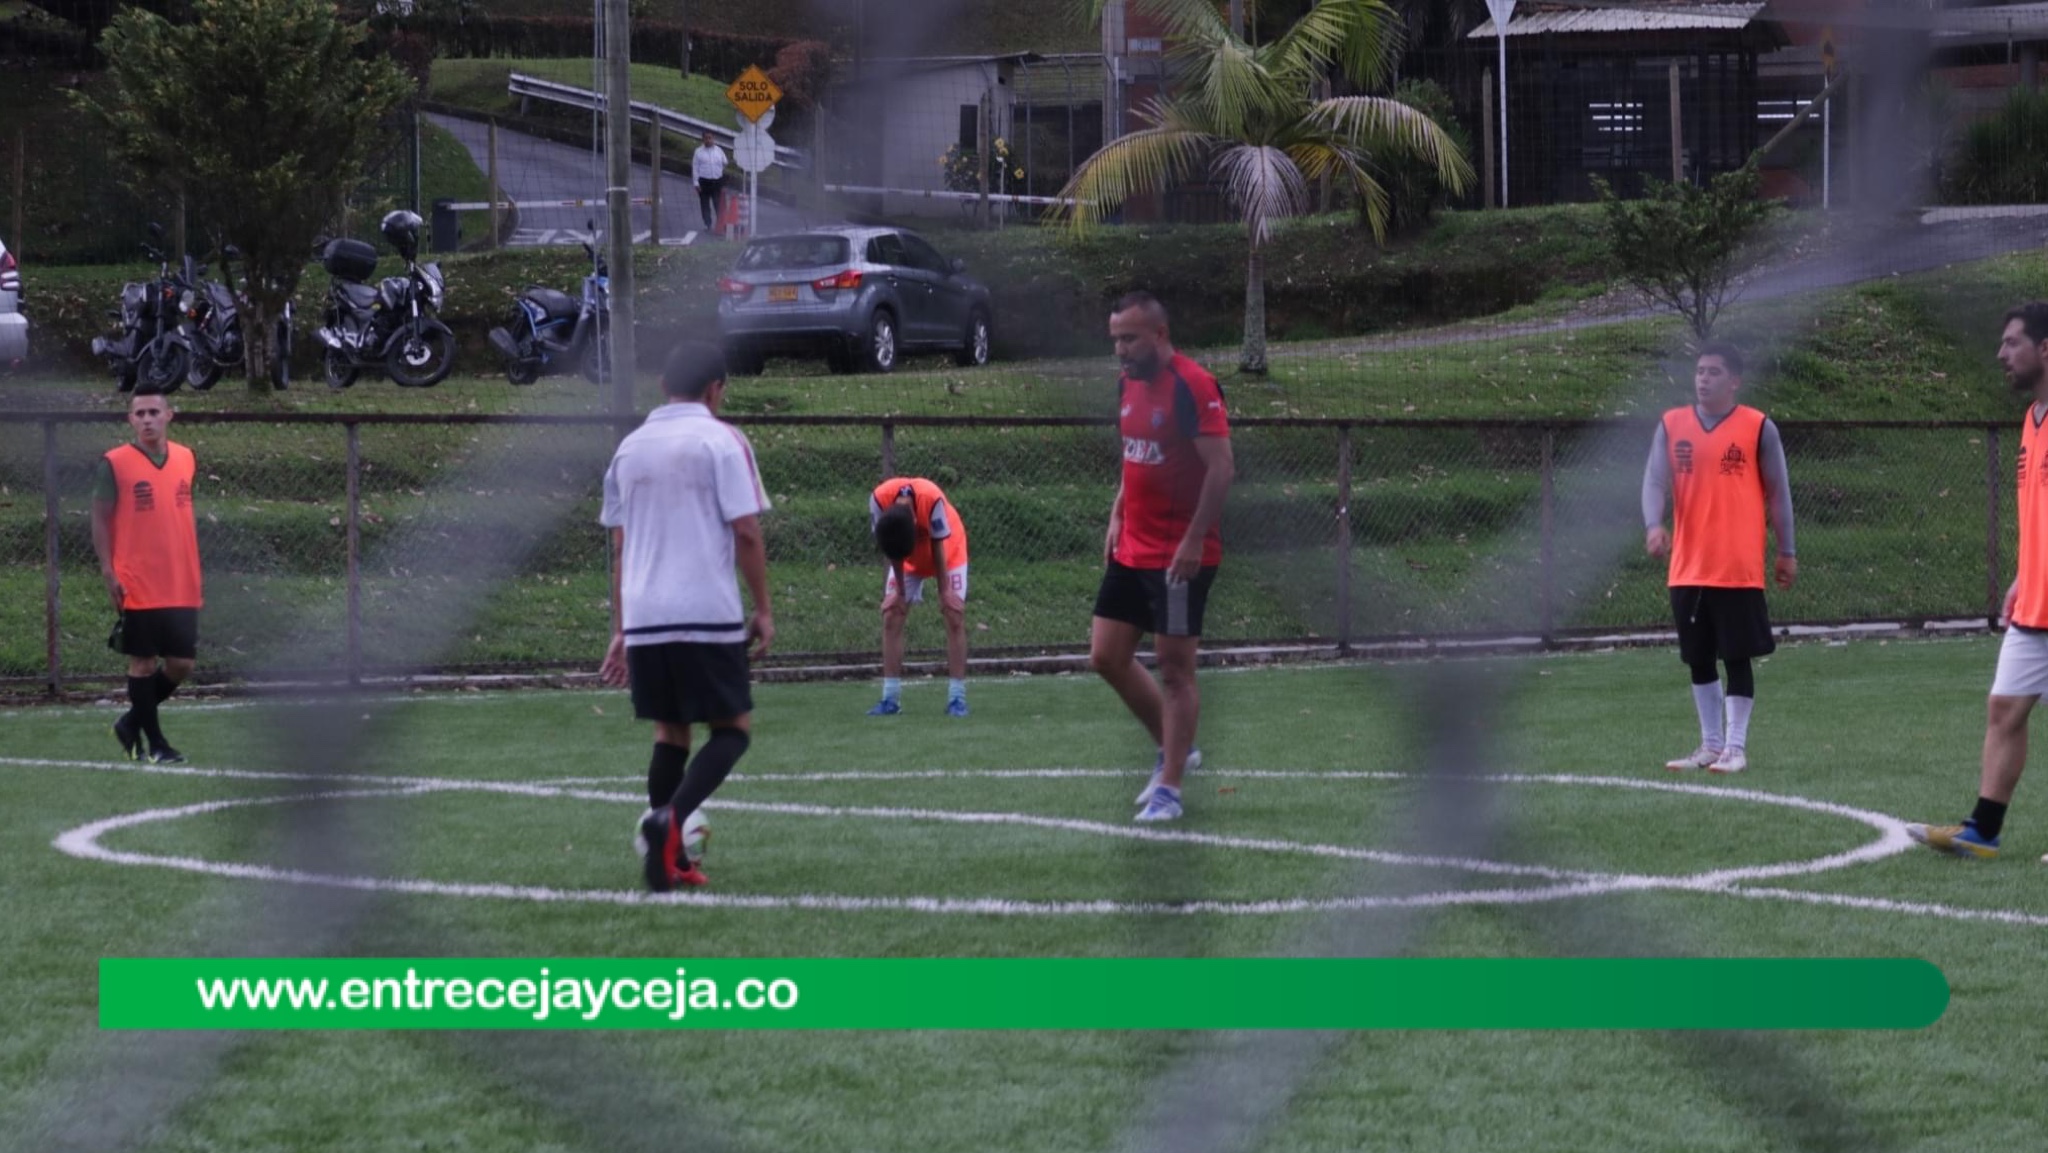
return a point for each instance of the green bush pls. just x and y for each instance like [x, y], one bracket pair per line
[2003, 160]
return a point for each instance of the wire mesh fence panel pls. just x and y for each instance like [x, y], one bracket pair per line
[476, 545]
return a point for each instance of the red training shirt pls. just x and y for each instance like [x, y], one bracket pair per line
[1160, 419]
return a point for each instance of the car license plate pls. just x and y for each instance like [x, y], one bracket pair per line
[782, 294]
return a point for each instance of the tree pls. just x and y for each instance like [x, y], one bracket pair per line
[1679, 244]
[1250, 116]
[263, 114]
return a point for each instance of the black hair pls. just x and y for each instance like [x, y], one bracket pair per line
[1139, 298]
[693, 366]
[896, 531]
[1730, 355]
[2033, 317]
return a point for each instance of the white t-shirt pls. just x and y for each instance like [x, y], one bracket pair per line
[708, 162]
[675, 486]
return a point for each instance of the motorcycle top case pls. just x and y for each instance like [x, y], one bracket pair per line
[349, 260]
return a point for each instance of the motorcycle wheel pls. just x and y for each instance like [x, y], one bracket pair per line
[281, 357]
[523, 371]
[204, 373]
[597, 362]
[420, 359]
[164, 369]
[340, 371]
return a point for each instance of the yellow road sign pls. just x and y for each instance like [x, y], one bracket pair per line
[753, 93]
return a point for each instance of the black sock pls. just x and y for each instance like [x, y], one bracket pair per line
[165, 686]
[1989, 818]
[712, 765]
[142, 699]
[665, 773]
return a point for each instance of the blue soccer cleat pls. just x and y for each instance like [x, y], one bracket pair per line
[956, 707]
[1164, 806]
[885, 707]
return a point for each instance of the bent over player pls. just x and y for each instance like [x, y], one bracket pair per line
[924, 541]
[148, 545]
[683, 501]
[1723, 465]
[2022, 674]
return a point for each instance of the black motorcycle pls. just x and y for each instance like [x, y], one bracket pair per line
[389, 327]
[552, 332]
[152, 349]
[213, 328]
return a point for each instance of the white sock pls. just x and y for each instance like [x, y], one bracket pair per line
[892, 687]
[1738, 721]
[1707, 700]
[956, 689]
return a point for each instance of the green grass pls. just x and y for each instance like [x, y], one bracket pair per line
[480, 84]
[975, 26]
[448, 172]
[1884, 727]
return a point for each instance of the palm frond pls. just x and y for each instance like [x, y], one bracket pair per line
[1264, 183]
[1362, 38]
[1148, 160]
[1377, 124]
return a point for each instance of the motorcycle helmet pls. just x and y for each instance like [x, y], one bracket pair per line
[402, 229]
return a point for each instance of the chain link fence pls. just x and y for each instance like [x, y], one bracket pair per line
[332, 544]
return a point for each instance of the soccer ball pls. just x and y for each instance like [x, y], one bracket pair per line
[696, 834]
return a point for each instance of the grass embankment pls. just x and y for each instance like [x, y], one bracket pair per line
[1892, 523]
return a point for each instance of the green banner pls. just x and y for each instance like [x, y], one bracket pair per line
[1246, 993]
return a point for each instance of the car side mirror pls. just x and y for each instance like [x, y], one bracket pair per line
[958, 265]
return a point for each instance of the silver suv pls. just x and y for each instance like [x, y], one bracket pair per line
[13, 325]
[860, 297]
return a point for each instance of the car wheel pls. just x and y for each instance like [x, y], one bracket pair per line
[975, 351]
[879, 352]
[743, 360]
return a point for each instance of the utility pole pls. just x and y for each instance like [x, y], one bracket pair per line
[1237, 18]
[683, 21]
[618, 155]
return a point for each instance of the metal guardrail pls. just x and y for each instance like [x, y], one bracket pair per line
[936, 194]
[534, 87]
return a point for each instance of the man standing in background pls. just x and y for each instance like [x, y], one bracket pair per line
[707, 167]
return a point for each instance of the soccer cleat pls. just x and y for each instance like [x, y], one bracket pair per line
[1164, 806]
[886, 707]
[661, 839]
[128, 733]
[166, 756]
[956, 708]
[1956, 840]
[1733, 760]
[1700, 758]
[1193, 762]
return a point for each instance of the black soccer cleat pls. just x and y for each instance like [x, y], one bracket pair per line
[664, 840]
[128, 732]
[166, 756]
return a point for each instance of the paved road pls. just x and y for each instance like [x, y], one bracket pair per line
[532, 169]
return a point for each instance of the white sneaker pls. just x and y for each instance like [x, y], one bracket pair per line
[1731, 761]
[1699, 758]
[640, 838]
[1164, 806]
[1193, 762]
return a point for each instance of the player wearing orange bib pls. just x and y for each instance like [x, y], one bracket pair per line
[924, 542]
[148, 546]
[2022, 674]
[1723, 466]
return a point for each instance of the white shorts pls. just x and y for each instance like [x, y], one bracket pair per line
[914, 595]
[2022, 664]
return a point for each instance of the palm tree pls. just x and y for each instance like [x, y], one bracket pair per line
[1252, 117]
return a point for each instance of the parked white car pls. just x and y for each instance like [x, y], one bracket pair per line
[13, 325]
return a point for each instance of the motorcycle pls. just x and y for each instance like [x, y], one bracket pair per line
[152, 350]
[213, 328]
[390, 327]
[552, 332]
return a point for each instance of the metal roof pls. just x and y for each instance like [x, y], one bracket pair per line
[1647, 17]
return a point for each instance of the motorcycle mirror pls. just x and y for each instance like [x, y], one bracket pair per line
[231, 250]
[156, 230]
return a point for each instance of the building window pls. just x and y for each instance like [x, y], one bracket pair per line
[970, 128]
[1616, 118]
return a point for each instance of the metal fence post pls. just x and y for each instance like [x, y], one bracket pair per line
[355, 575]
[1548, 553]
[53, 584]
[1344, 538]
[1993, 598]
[888, 449]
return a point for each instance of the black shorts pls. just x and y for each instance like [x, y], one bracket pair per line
[685, 683]
[1142, 597]
[170, 633]
[1721, 624]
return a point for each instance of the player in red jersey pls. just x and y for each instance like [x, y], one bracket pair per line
[1164, 541]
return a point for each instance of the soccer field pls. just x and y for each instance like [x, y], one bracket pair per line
[845, 836]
